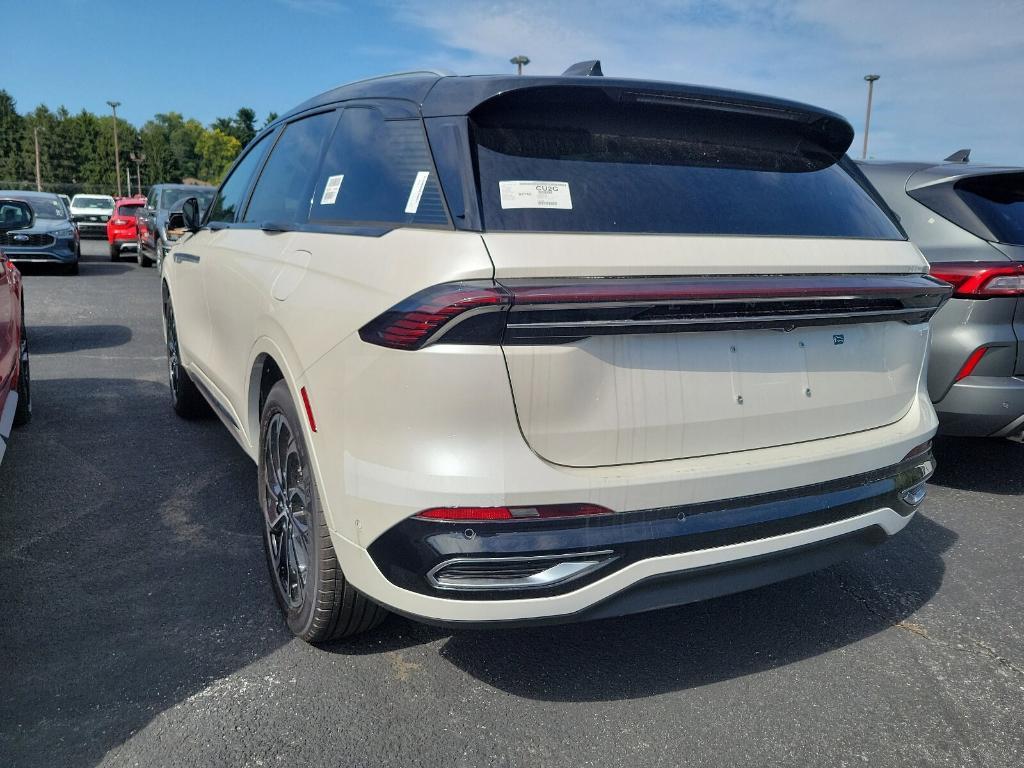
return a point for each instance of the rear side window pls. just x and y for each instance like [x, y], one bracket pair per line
[377, 171]
[228, 200]
[283, 192]
[998, 200]
[643, 166]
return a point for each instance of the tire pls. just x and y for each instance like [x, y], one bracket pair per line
[115, 252]
[186, 398]
[23, 411]
[321, 605]
[142, 258]
[71, 269]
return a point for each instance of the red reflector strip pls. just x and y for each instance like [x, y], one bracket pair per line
[309, 409]
[981, 279]
[972, 363]
[542, 511]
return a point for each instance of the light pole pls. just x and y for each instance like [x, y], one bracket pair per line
[117, 156]
[867, 120]
[39, 177]
[520, 62]
[138, 157]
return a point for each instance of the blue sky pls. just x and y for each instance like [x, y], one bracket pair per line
[952, 72]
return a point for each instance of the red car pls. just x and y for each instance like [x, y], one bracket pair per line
[121, 225]
[15, 396]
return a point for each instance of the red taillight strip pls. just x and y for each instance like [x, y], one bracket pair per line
[971, 364]
[561, 310]
[488, 514]
[974, 279]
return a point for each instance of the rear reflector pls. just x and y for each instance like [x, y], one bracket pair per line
[981, 279]
[484, 514]
[972, 363]
[556, 311]
[309, 408]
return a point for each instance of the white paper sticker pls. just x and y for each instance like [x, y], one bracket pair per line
[331, 190]
[535, 194]
[413, 203]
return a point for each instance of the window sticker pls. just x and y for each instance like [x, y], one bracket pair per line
[331, 190]
[535, 194]
[413, 203]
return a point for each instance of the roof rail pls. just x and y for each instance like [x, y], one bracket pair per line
[960, 156]
[590, 68]
[437, 72]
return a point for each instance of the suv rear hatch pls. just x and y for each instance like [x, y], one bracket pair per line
[689, 277]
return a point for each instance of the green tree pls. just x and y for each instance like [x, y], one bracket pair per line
[217, 150]
[11, 131]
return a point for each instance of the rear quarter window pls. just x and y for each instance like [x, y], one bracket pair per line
[998, 200]
[377, 171]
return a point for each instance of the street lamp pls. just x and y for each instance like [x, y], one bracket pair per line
[520, 62]
[117, 156]
[138, 157]
[867, 120]
[39, 177]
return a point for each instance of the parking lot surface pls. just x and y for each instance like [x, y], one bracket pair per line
[141, 629]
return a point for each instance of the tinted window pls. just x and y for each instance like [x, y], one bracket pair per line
[377, 171]
[48, 208]
[998, 200]
[283, 192]
[171, 199]
[229, 196]
[128, 210]
[603, 166]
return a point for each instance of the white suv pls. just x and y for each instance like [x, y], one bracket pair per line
[538, 349]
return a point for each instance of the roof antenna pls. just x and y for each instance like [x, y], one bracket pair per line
[584, 69]
[960, 156]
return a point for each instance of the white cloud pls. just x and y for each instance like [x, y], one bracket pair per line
[951, 71]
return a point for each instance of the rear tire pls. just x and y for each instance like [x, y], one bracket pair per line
[115, 252]
[23, 411]
[318, 603]
[187, 400]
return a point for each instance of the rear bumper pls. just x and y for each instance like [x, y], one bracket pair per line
[983, 406]
[650, 558]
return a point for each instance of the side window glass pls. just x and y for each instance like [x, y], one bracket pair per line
[229, 197]
[377, 171]
[151, 202]
[283, 192]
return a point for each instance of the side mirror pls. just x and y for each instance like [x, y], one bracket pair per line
[176, 223]
[15, 214]
[190, 214]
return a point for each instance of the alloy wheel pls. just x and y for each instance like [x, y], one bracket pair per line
[287, 495]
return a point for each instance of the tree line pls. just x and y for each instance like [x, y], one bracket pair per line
[76, 152]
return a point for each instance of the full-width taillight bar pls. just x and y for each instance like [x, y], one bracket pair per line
[981, 279]
[551, 311]
[489, 514]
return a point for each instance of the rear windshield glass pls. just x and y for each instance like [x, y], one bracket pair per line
[998, 200]
[129, 209]
[615, 167]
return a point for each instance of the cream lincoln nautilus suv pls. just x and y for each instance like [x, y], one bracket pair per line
[543, 349]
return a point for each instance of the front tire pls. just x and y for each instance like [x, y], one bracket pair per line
[186, 399]
[142, 258]
[23, 411]
[318, 603]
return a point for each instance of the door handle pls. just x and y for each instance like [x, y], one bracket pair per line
[187, 258]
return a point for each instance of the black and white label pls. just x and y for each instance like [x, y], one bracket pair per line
[535, 194]
[331, 190]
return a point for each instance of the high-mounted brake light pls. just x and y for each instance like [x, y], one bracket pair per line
[487, 514]
[981, 279]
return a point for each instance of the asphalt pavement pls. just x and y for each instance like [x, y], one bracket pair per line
[141, 629]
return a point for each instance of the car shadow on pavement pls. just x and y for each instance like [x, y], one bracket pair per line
[705, 643]
[55, 339]
[133, 559]
[986, 465]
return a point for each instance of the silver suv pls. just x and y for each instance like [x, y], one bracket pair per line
[968, 220]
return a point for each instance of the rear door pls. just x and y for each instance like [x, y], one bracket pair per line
[688, 282]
